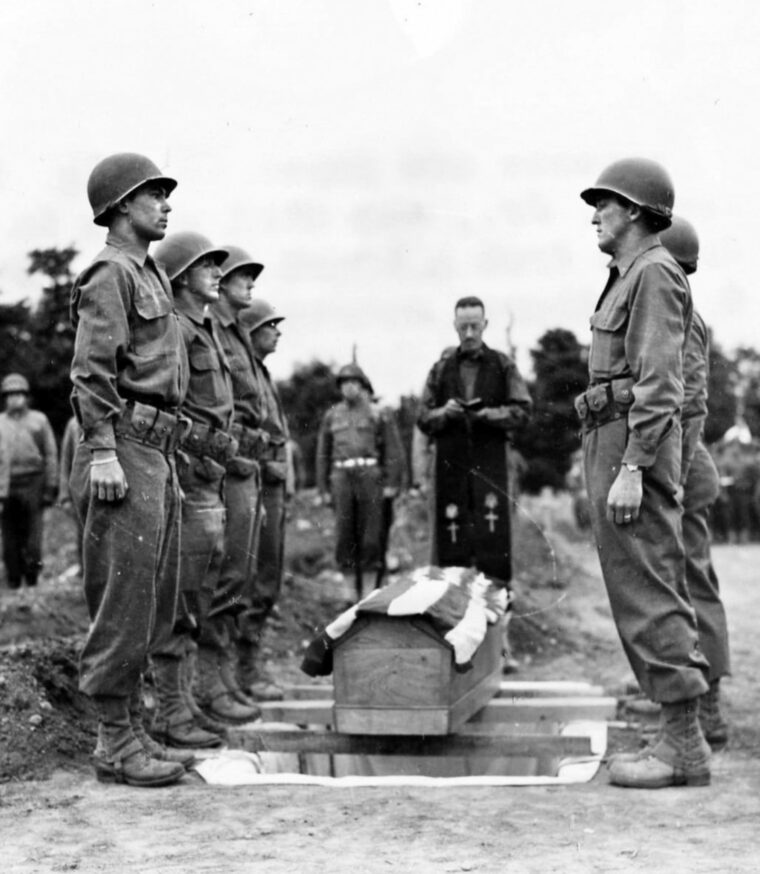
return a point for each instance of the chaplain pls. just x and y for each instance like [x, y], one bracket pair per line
[474, 400]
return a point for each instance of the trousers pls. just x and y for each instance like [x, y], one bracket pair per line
[643, 566]
[22, 529]
[129, 566]
[358, 503]
[700, 492]
[264, 585]
[243, 500]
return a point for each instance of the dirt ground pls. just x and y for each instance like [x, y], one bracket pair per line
[562, 630]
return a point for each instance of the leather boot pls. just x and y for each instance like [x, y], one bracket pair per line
[680, 756]
[152, 748]
[229, 678]
[119, 756]
[201, 718]
[173, 723]
[214, 697]
[254, 680]
[711, 719]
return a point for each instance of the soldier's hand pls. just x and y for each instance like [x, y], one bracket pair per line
[107, 480]
[390, 491]
[327, 499]
[624, 498]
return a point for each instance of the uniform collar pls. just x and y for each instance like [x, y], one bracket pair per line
[623, 265]
[198, 314]
[224, 312]
[130, 249]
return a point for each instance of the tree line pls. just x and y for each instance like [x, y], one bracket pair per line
[37, 340]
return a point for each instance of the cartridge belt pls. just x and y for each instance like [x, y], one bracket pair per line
[604, 402]
[147, 424]
[204, 439]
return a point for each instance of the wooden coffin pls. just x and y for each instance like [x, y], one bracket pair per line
[395, 675]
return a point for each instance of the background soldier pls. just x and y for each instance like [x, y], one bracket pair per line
[701, 484]
[263, 323]
[632, 460]
[129, 373]
[192, 264]
[359, 453]
[28, 443]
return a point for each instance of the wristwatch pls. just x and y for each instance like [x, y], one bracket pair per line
[633, 468]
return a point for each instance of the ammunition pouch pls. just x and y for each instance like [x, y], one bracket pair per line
[604, 402]
[203, 440]
[151, 426]
[251, 441]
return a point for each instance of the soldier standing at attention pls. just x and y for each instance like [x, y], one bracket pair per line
[243, 490]
[359, 453]
[129, 373]
[263, 324]
[32, 457]
[632, 462]
[192, 264]
[701, 485]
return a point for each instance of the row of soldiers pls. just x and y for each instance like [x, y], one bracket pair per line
[174, 401]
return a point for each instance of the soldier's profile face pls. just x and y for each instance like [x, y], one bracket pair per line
[148, 210]
[203, 278]
[237, 286]
[611, 219]
[469, 323]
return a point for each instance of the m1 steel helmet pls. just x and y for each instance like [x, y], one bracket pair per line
[179, 251]
[640, 180]
[14, 382]
[353, 371]
[238, 257]
[117, 176]
[259, 312]
[681, 240]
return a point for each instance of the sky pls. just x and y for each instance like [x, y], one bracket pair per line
[383, 158]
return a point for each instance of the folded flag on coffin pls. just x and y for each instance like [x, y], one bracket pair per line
[459, 602]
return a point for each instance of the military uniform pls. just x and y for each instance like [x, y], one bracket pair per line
[701, 485]
[631, 415]
[28, 443]
[130, 375]
[206, 449]
[358, 453]
[243, 492]
[274, 475]
[470, 502]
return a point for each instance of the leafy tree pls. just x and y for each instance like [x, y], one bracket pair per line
[721, 394]
[39, 342]
[306, 397]
[52, 334]
[559, 364]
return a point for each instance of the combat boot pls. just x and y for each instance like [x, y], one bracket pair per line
[119, 756]
[152, 748]
[253, 679]
[214, 697]
[711, 719]
[229, 678]
[202, 719]
[680, 756]
[173, 722]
